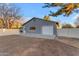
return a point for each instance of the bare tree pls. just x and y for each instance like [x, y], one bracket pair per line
[8, 11]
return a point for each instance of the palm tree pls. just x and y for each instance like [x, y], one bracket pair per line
[65, 8]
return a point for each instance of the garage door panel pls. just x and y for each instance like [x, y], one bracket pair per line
[47, 30]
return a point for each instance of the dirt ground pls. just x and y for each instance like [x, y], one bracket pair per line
[16, 45]
[70, 41]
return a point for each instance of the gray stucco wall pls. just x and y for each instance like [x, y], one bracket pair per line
[38, 24]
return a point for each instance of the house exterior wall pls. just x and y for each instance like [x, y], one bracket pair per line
[38, 24]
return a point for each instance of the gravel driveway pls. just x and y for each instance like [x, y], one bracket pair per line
[16, 45]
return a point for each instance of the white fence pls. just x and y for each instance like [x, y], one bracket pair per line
[8, 32]
[74, 32]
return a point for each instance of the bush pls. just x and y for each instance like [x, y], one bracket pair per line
[67, 26]
[77, 26]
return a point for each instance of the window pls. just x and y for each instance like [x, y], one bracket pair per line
[32, 28]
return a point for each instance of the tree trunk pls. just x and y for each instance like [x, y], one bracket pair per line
[5, 22]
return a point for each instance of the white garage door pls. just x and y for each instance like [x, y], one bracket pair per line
[47, 30]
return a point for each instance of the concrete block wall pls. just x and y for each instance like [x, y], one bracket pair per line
[4, 32]
[69, 32]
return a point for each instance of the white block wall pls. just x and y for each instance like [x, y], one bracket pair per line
[74, 32]
[9, 32]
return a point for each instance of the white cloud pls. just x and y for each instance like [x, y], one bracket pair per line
[75, 17]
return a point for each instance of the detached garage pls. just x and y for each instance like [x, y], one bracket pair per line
[39, 28]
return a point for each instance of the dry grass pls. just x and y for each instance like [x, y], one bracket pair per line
[22, 46]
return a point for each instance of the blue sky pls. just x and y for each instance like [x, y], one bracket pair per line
[29, 10]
